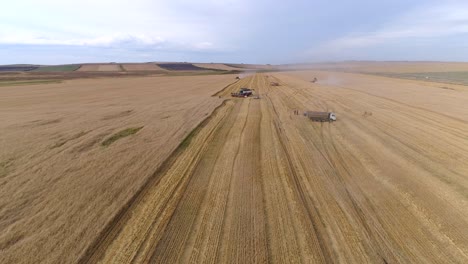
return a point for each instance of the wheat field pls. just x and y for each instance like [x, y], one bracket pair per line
[59, 184]
[385, 184]
[106, 171]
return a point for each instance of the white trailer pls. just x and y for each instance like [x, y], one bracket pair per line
[321, 116]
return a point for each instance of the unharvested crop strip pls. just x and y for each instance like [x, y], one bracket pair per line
[225, 88]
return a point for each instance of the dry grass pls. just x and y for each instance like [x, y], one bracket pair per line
[121, 134]
[254, 183]
[435, 97]
[258, 184]
[58, 186]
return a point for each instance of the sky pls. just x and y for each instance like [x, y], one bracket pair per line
[235, 31]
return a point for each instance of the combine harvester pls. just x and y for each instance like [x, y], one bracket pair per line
[243, 92]
[321, 116]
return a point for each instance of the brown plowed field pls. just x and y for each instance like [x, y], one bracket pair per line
[259, 184]
[254, 183]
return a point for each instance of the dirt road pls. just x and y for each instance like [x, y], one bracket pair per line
[386, 183]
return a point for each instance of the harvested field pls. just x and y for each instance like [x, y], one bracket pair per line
[410, 67]
[100, 67]
[110, 67]
[254, 183]
[59, 186]
[142, 67]
[32, 76]
[386, 67]
[442, 77]
[89, 67]
[253, 66]
[259, 184]
[444, 99]
[217, 66]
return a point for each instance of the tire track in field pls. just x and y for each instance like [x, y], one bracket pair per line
[244, 236]
[158, 237]
[135, 223]
[258, 184]
[186, 218]
[334, 173]
[389, 228]
[207, 239]
[320, 249]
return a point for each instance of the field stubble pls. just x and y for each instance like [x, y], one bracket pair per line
[59, 186]
[259, 184]
[255, 183]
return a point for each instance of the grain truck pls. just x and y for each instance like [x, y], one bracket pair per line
[321, 116]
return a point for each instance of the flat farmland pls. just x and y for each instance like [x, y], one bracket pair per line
[410, 67]
[456, 77]
[443, 98]
[253, 183]
[180, 67]
[391, 67]
[100, 67]
[386, 183]
[142, 67]
[109, 67]
[216, 66]
[89, 67]
[73, 154]
[59, 68]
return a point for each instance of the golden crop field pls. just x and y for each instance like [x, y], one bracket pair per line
[100, 67]
[110, 171]
[61, 181]
[216, 66]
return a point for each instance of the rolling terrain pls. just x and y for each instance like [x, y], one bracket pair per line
[111, 171]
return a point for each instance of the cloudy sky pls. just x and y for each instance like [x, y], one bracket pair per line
[243, 31]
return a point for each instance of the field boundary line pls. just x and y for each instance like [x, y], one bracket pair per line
[225, 88]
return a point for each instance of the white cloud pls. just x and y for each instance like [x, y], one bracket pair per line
[427, 23]
[171, 25]
[115, 40]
